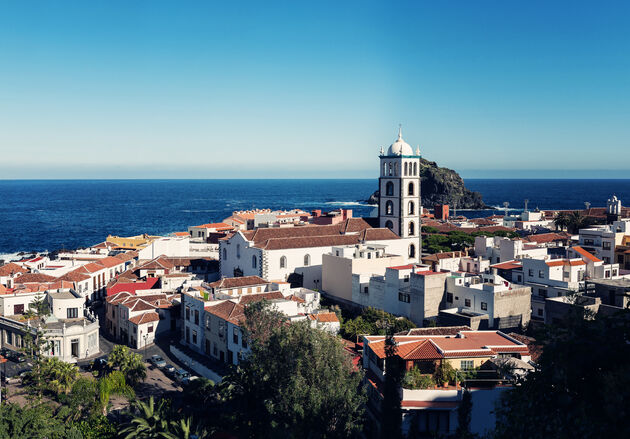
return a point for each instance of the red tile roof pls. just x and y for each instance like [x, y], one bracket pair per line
[11, 268]
[544, 238]
[145, 317]
[236, 282]
[133, 287]
[585, 254]
[324, 317]
[509, 265]
[74, 276]
[33, 277]
[561, 262]
[246, 299]
[228, 310]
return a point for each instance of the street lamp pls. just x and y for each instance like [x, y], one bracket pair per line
[146, 336]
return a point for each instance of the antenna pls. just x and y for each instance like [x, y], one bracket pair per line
[526, 202]
[505, 206]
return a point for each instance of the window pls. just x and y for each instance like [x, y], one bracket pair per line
[224, 253]
[467, 303]
[411, 208]
[541, 274]
[187, 334]
[244, 342]
[72, 313]
[215, 352]
[388, 224]
[209, 324]
[389, 208]
[589, 242]
[396, 169]
[406, 279]
[606, 245]
[150, 329]
[283, 262]
[410, 189]
[365, 290]
[235, 335]
[194, 337]
[384, 168]
[531, 273]
[412, 228]
[415, 169]
[607, 273]
[403, 297]
[389, 189]
[187, 313]
[391, 168]
[484, 306]
[254, 261]
[542, 292]
[467, 365]
[307, 260]
[18, 309]
[540, 312]
[196, 317]
[238, 251]
[412, 251]
[405, 168]
[449, 297]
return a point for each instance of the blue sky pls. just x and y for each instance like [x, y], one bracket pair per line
[119, 89]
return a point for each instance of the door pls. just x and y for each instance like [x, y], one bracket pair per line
[74, 348]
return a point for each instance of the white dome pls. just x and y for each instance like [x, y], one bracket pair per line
[400, 147]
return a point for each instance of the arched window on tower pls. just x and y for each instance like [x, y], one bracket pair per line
[412, 251]
[283, 262]
[405, 169]
[389, 225]
[410, 189]
[411, 209]
[412, 228]
[389, 188]
[415, 169]
[384, 168]
[254, 261]
[391, 168]
[389, 208]
[396, 169]
[307, 260]
[225, 253]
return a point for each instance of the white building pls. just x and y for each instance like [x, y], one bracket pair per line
[296, 253]
[499, 249]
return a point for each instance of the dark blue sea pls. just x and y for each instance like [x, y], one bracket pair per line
[51, 214]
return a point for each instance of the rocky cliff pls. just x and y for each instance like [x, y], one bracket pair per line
[443, 186]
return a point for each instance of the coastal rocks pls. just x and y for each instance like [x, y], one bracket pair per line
[442, 186]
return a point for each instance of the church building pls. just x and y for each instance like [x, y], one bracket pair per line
[399, 193]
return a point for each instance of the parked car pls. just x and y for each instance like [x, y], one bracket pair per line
[170, 370]
[158, 361]
[181, 375]
[189, 379]
[17, 357]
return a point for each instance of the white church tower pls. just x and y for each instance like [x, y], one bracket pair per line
[399, 188]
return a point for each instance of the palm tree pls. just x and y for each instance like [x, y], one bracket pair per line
[112, 384]
[59, 374]
[561, 221]
[576, 221]
[185, 429]
[129, 363]
[150, 421]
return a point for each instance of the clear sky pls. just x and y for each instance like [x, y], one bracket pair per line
[185, 89]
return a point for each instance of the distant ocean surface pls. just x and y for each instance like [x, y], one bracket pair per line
[51, 214]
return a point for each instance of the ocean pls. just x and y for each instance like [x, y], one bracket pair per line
[45, 215]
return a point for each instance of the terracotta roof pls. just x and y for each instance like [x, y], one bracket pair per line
[443, 255]
[218, 226]
[159, 263]
[547, 237]
[561, 262]
[110, 262]
[74, 276]
[324, 317]
[11, 268]
[509, 265]
[145, 317]
[228, 310]
[33, 277]
[246, 299]
[127, 256]
[181, 234]
[585, 254]
[93, 267]
[235, 282]
[132, 287]
[403, 267]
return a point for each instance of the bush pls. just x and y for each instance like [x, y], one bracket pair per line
[444, 373]
[414, 379]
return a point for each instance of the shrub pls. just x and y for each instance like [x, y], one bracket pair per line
[414, 379]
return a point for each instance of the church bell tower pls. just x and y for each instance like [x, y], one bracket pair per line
[399, 207]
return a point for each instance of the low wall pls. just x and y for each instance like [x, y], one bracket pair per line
[196, 366]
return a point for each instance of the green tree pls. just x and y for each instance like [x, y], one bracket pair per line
[58, 375]
[576, 221]
[39, 306]
[36, 421]
[561, 220]
[391, 425]
[581, 387]
[112, 384]
[129, 363]
[297, 382]
[150, 420]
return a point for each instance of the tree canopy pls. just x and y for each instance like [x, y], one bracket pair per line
[581, 389]
[296, 382]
